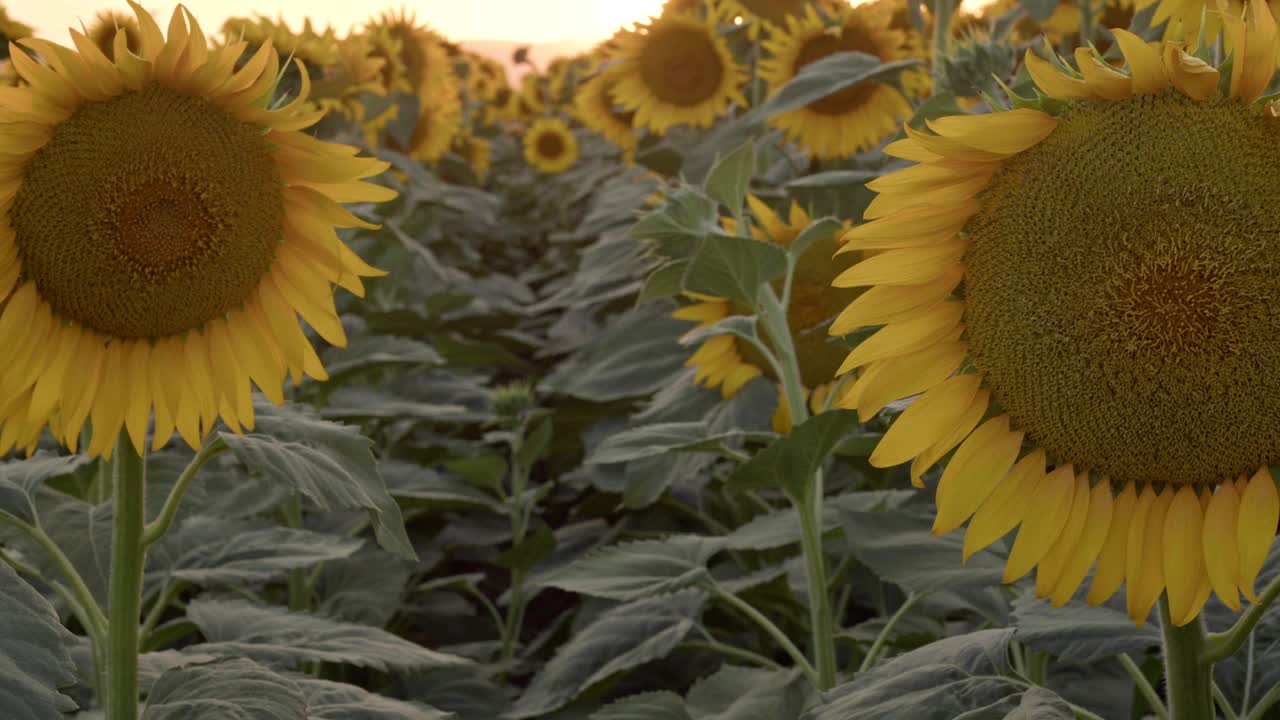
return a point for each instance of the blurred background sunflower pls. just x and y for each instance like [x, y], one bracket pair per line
[549, 145]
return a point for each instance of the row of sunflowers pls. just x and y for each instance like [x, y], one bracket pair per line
[639, 364]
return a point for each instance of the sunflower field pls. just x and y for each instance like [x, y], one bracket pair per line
[773, 360]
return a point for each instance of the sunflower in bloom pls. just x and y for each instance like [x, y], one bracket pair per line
[102, 32]
[161, 232]
[594, 107]
[724, 362]
[549, 146]
[771, 15]
[676, 70]
[1116, 265]
[853, 119]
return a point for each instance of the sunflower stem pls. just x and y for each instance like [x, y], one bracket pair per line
[942, 12]
[128, 557]
[1144, 686]
[1188, 682]
[158, 527]
[1223, 645]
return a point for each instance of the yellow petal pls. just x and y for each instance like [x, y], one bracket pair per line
[1053, 499]
[1004, 133]
[1006, 507]
[137, 378]
[886, 303]
[978, 466]
[916, 227]
[1097, 527]
[1145, 559]
[1183, 550]
[905, 337]
[1049, 570]
[1221, 549]
[1145, 65]
[1256, 527]
[1192, 76]
[1052, 82]
[901, 377]
[1106, 81]
[926, 421]
[906, 266]
[962, 428]
[1109, 575]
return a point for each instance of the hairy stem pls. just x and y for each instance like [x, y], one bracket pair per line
[128, 557]
[1187, 673]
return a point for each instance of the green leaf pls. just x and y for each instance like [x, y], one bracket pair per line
[485, 470]
[1040, 703]
[731, 176]
[619, 639]
[828, 76]
[535, 547]
[657, 705]
[635, 355]
[685, 216]
[1081, 632]
[817, 231]
[34, 653]
[328, 700]
[792, 460]
[940, 681]
[237, 628]
[650, 440]
[833, 179]
[782, 528]
[468, 692]
[899, 548]
[665, 281]
[742, 326]
[236, 689]
[631, 571]
[739, 693]
[535, 444]
[366, 588]
[734, 267]
[415, 486]
[374, 352]
[353, 402]
[19, 479]
[331, 464]
[211, 551]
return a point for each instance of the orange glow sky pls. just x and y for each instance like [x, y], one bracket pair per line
[532, 21]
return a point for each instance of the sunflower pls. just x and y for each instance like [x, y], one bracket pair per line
[1117, 262]
[417, 61]
[477, 152]
[160, 233]
[102, 32]
[725, 363]
[916, 82]
[854, 119]
[340, 84]
[433, 132]
[549, 146]
[594, 107]
[771, 15]
[10, 30]
[676, 70]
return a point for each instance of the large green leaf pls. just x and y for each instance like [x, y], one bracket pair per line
[649, 440]
[782, 527]
[734, 267]
[635, 355]
[830, 75]
[686, 216]
[19, 479]
[792, 459]
[366, 587]
[940, 681]
[237, 628]
[331, 464]
[657, 705]
[620, 639]
[235, 689]
[639, 569]
[468, 692]
[374, 352]
[211, 551]
[731, 176]
[34, 653]
[739, 693]
[327, 700]
[1040, 704]
[1081, 632]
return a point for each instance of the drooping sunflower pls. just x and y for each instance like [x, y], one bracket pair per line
[853, 119]
[1117, 262]
[726, 363]
[417, 61]
[549, 145]
[433, 132]
[102, 32]
[676, 70]
[594, 107]
[161, 231]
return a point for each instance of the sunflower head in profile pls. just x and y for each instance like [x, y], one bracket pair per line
[1086, 299]
[595, 108]
[102, 32]
[853, 119]
[161, 232]
[549, 145]
[676, 70]
[434, 131]
[728, 364]
[416, 59]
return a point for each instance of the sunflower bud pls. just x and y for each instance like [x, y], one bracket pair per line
[968, 70]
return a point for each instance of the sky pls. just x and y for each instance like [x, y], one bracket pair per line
[530, 21]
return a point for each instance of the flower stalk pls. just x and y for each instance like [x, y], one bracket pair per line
[128, 558]
[1189, 684]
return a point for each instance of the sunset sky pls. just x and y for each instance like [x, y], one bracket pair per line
[533, 21]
